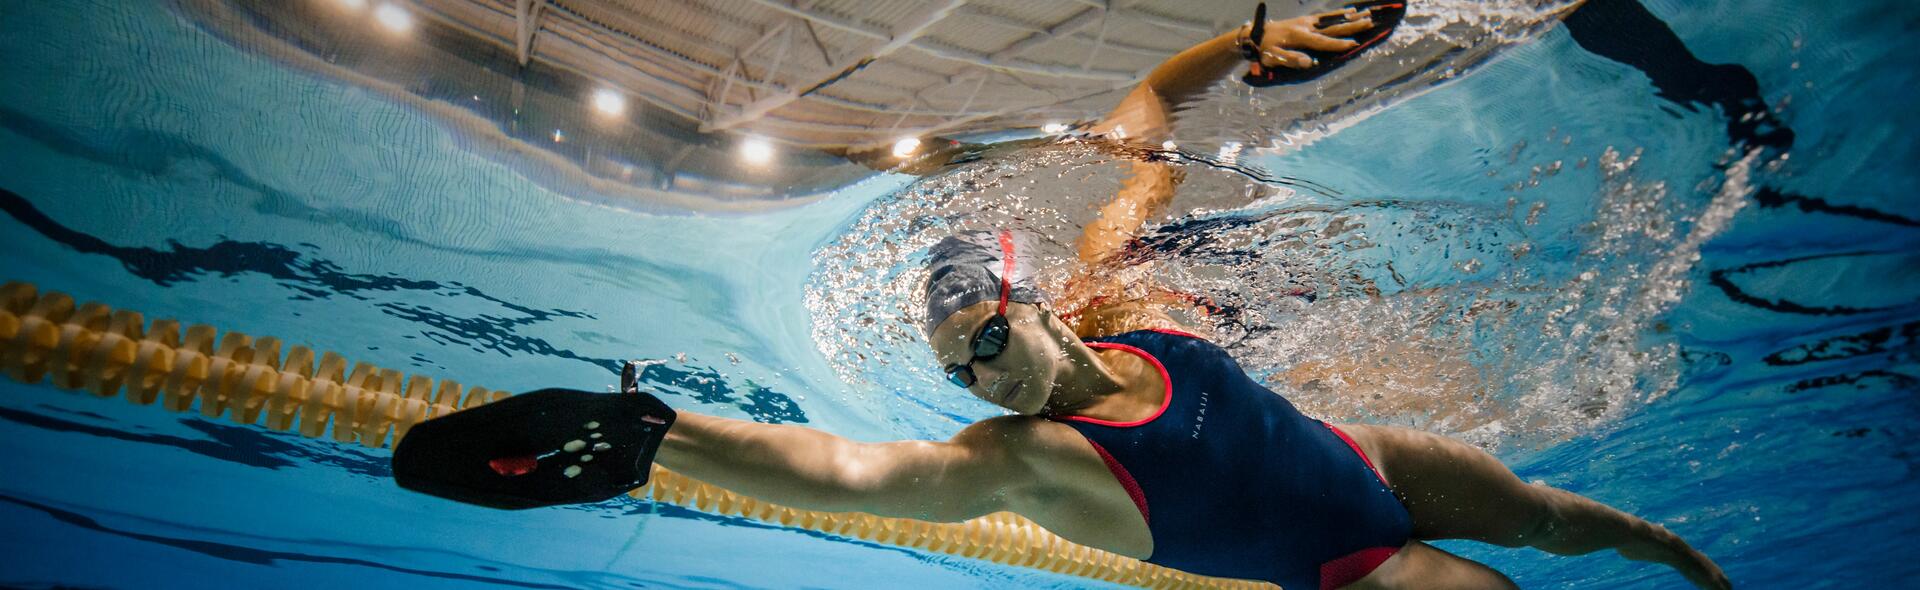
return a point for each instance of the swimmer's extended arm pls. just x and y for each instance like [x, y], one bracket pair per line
[966, 477]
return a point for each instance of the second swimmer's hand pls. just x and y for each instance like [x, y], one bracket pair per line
[1281, 38]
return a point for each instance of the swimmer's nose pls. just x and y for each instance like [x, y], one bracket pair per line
[514, 466]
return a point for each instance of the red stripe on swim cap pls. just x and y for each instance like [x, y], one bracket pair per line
[1006, 268]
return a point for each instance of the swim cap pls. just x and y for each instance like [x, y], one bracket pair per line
[977, 266]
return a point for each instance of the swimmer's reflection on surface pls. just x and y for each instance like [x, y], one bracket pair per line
[1131, 435]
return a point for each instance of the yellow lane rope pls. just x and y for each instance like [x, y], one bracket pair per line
[94, 348]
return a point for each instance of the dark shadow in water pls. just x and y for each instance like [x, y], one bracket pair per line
[1882, 340]
[1769, 197]
[314, 277]
[1721, 279]
[322, 279]
[707, 386]
[253, 555]
[1861, 381]
[245, 445]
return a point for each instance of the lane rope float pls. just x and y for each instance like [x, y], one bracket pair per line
[106, 352]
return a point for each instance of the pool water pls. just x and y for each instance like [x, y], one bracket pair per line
[1540, 254]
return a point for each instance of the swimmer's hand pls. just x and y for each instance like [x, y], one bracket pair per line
[1324, 32]
[543, 448]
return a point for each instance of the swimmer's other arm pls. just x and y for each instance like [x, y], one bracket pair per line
[972, 475]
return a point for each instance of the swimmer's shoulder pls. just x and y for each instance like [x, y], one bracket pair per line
[1039, 445]
[1055, 464]
[1022, 435]
[1065, 486]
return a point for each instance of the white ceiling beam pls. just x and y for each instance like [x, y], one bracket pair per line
[952, 123]
[587, 44]
[657, 57]
[1001, 21]
[1085, 18]
[1153, 19]
[654, 56]
[526, 15]
[916, 27]
[1166, 22]
[826, 19]
[946, 52]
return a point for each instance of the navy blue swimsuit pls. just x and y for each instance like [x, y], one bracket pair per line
[1235, 482]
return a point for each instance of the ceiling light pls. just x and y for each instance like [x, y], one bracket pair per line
[756, 150]
[1169, 145]
[905, 147]
[393, 17]
[1055, 128]
[609, 102]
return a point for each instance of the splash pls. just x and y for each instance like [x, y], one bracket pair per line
[1470, 319]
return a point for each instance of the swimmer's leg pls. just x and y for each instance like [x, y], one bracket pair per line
[1456, 491]
[1423, 566]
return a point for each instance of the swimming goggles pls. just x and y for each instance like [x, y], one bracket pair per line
[991, 340]
[987, 344]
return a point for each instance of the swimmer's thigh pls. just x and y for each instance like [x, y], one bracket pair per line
[1421, 566]
[1454, 490]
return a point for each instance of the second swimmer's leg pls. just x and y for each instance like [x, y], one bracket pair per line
[1456, 491]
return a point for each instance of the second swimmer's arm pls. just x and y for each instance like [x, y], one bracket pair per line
[811, 469]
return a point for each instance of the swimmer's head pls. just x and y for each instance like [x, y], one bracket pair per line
[978, 266]
[987, 322]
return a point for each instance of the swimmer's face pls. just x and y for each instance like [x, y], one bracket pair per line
[1022, 376]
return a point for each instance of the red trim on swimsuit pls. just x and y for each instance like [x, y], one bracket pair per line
[1126, 480]
[1006, 269]
[1350, 568]
[1353, 566]
[1356, 450]
[1164, 379]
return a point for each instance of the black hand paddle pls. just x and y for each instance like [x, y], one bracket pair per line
[548, 447]
[1386, 15]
